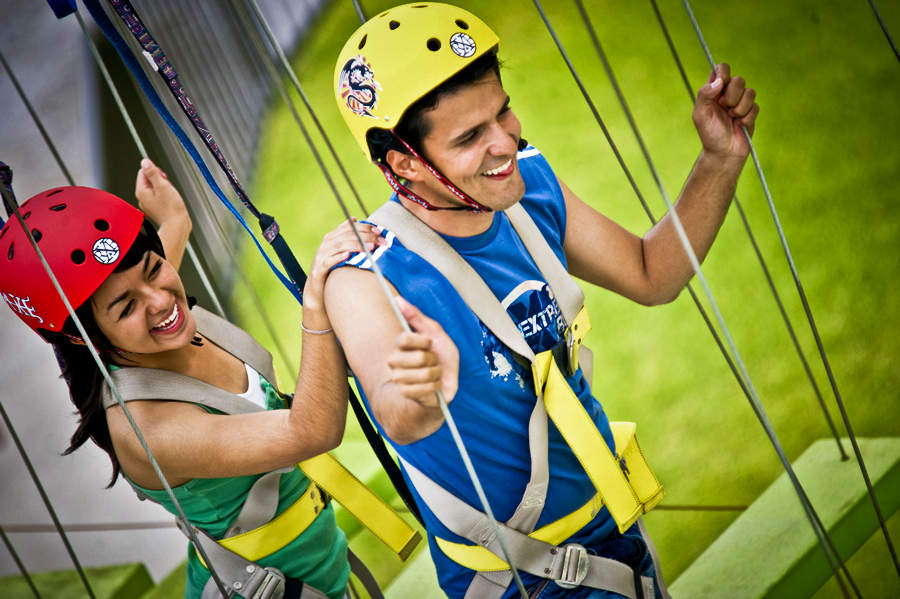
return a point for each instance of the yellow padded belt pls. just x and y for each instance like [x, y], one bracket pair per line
[260, 542]
[363, 504]
[481, 559]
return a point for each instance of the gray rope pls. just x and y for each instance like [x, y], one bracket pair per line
[884, 28]
[762, 262]
[37, 121]
[21, 566]
[112, 386]
[809, 316]
[359, 11]
[692, 257]
[195, 259]
[100, 526]
[293, 77]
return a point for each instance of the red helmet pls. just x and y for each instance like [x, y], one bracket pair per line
[82, 232]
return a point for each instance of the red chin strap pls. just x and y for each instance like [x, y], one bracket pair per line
[402, 190]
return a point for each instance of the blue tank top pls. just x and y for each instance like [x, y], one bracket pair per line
[496, 394]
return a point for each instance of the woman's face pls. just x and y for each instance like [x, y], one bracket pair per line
[144, 309]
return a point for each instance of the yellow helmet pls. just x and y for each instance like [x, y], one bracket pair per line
[399, 56]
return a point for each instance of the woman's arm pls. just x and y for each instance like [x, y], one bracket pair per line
[159, 200]
[188, 442]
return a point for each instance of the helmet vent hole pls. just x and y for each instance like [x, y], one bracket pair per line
[54, 192]
[78, 257]
[420, 6]
[12, 250]
[26, 215]
[462, 24]
[58, 208]
[101, 225]
[3, 232]
[393, 25]
[362, 42]
[37, 235]
[433, 44]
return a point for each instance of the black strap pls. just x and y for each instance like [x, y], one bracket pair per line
[376, 442]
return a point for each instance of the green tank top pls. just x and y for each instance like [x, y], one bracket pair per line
[318, 557]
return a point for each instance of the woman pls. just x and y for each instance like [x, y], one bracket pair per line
[113, 266]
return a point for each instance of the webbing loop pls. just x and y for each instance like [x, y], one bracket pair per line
[109, 30]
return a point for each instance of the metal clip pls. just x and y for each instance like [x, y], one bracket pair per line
[272, 586]
[575, 567]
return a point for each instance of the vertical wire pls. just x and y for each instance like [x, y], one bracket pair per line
[809, 315]
[293, 76]
[19, 563]
[37, 121]
[692, 257]
[759, 256]
[25, 458]
[195, 259]
[359, 11]
[884, 28]
[115, 391]
[623, 102]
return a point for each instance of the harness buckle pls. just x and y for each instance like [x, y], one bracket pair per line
[575, 567]
[272, 586]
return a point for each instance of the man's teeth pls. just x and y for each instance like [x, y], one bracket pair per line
[499, 169]
[168, 322]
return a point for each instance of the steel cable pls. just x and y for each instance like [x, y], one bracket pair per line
[293, 77]
[757, 251]
[884, 28]
[19, 564]
[808, 310]
[755, 401]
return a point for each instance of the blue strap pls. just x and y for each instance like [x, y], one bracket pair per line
[62, 8]
[109, 30]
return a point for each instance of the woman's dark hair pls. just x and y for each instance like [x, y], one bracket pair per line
[81, 371]
[414, 125]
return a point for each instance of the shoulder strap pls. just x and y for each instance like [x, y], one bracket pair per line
[236, 341]
[421, 239]
[568, 294]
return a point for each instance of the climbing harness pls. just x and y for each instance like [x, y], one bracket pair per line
[623, 481]
[812, 323]
[257, 532]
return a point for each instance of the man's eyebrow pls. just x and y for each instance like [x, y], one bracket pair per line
[469, 131]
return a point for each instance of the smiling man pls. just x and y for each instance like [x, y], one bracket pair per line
[482, 237]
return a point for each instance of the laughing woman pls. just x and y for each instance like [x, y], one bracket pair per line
[123, 278]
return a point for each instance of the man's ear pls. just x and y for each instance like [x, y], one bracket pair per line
[405, 166]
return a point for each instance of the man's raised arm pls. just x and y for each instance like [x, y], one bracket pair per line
[654, 269]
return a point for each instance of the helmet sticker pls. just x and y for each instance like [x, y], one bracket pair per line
[106, 251]
[20, 305]
[462, 44]
[357, 86]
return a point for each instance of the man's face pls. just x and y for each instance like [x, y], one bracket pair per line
[473, 141]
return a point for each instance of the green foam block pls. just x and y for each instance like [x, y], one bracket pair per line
[125, 581]
[771, 550]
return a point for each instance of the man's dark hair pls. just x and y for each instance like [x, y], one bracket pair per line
[414, 126]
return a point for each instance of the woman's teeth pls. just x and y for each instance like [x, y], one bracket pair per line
[169, 321]
[499, 169]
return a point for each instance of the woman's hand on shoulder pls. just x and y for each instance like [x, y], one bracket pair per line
[336, 246]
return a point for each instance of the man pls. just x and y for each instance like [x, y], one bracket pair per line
[419, 87]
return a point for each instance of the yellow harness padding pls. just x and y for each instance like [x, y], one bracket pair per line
[261, 542]
[643, 485]
[627, 496]
[363, 504]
